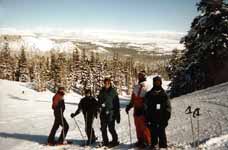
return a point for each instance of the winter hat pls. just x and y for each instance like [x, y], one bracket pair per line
[157, 78]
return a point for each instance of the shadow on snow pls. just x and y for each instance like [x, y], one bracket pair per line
[41, 139]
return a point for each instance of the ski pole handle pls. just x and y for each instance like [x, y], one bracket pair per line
[188, 110]
[196, 112]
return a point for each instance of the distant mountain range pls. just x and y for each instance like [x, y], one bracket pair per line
[98, 41]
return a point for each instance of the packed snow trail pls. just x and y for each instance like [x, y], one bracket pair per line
[26, 119]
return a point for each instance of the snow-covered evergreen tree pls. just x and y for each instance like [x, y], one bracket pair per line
[41, 74]
[59, 71]
[54, 68]
[205, 59]
[22, 73]
[6, 63]
[75, 69]
[65, 77]
[172, 67]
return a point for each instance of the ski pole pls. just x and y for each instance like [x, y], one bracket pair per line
[189, 112]
[196, 113]
[64, 141]
[79, 131]
[129, 124]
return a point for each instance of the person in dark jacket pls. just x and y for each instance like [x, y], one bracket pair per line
[158, 112]
[89, 107]
[58, 105]
[110, 112]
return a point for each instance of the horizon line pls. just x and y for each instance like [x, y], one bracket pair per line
[87, 30]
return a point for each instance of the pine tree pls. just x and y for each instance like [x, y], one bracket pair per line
[84, 55]
[173, 63]
[59, 71]
[130, 76]
[97, 58]
[54, 73]
[6, 63]
[76, 68]
[40, 74]
[63, 71]
[205, 59]
[76, 59]
[22, 68]
[92, 59]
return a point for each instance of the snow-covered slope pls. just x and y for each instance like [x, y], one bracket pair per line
[26, 119]
[213, 104]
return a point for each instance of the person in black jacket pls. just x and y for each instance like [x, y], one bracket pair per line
[58, 105]
[89, 107]
[158, 112]
[110, 112]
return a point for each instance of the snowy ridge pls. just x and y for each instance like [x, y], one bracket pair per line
[33, 43]
[41, 39]
[26, 119]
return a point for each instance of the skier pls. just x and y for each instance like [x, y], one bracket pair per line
[158, 112]
[110, 112]
[137, 101]
[58, 105]
[89, 107]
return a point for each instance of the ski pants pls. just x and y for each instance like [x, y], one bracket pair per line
[158, 132]
[89, 128]
[58, 121]
[142, 132]
[110, 123]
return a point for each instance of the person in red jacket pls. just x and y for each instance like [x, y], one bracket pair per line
[137, 101]
[58, 105]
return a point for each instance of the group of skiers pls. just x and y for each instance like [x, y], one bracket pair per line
[152, 110]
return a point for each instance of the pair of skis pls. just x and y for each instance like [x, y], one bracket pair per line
[194, 114]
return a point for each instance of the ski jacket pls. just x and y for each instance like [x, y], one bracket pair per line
[88, 105]
[58, 104]
[109, 103]
[137, 98]
[157, 106]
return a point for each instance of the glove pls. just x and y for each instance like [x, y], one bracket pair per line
[72, 115]
[127, 109]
